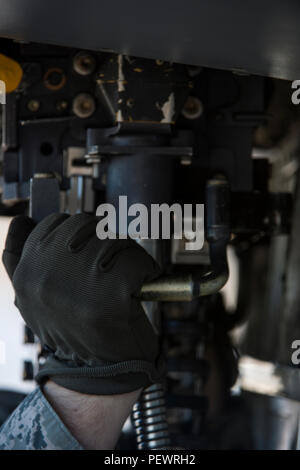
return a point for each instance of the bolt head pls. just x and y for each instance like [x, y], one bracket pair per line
[33, 106]
[84, 64]
[84, 105]
[193, 108]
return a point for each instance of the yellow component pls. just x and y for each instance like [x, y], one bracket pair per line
[10, 73]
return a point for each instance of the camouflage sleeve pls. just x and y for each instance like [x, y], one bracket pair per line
[34, 425]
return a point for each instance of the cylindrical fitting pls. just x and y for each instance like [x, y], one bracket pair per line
[217, 210]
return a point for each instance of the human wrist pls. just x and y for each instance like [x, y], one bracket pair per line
[95, 421]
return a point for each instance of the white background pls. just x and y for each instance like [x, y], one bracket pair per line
[13, 351]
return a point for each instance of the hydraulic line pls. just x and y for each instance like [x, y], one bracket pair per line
[188, 287]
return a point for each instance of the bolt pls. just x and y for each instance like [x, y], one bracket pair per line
[130, 102]
[84, 64]
[193, 108]
[62, 105]
[93, 150]
[33, 106]
[83, 105]
[186, 161]
[93, 160]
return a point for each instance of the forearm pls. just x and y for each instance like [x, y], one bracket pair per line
[95, 421]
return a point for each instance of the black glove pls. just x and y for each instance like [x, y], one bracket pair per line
[79, 295]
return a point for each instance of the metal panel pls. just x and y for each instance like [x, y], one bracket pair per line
[260, 36]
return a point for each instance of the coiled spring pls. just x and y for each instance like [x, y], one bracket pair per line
[150, 420]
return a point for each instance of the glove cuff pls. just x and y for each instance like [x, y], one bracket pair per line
[110, 379]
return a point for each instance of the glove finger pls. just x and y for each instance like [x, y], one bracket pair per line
[109, 251]
[136, 265]
[145, 264]
[83, 229]
[70, 231]
[47, 226]
[18, 232]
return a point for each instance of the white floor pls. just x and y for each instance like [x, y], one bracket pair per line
[13, 351]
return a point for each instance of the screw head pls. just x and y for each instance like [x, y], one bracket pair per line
[62, 105]
[83, 105]
[33, 105]
[193, 108]
[84, 64]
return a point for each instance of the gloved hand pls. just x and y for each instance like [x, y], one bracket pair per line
[79, 295]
